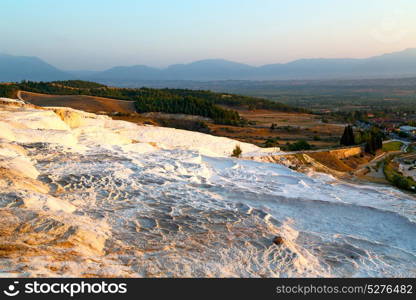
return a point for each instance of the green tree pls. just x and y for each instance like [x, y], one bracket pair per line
[299, 146]
[8, 91]
[373, 143]
[347, 138]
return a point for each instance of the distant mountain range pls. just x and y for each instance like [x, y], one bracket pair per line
[17, 68]
[397, 64]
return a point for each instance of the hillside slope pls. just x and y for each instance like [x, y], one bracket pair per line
[86, 103]
[397, 64]
[17, 68]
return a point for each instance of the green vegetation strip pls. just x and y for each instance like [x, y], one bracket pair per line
[191, 102]
[392, 146]
[396, 178]
[8, 91]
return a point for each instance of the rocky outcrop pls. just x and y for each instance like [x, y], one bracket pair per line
[71, 118]
[346, 152]
[278, 240]
[35, 220]
[330, 162]
[28, 233]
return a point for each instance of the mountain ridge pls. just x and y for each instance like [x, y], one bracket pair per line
[395, 64]
[17, 68]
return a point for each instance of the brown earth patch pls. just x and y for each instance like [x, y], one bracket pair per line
[85, 103]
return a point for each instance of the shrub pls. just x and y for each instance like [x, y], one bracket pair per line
[299, 145]
[237, 151]
[273, 142]
[403, 134]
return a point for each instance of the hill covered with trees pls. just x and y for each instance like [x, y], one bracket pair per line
[8, 90]
[193, 102]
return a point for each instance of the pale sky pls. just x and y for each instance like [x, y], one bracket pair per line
[98, 34]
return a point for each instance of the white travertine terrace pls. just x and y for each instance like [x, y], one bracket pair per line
[84, 195]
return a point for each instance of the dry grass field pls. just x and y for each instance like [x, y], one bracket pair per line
[290, 127]
[341, 164]
[86, 103]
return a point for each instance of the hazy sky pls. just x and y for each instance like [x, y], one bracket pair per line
[97, 34]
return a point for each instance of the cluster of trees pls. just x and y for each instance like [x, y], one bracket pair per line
[372, 138]
[191, 106]
[397, 178]
[374, 142]
[272, 142]
[411, 123]
[348, 138]
[79, 84]
[76, 87]
[184, 124]
[298, 146]
[195, 102]
[232, 100]
[146, 99]
[8, 90]
[350, 116]
[403, 134]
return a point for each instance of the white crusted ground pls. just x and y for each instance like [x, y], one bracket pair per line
[83, 195]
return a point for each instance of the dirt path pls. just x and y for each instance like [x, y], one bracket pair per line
[19, 95]
[372, 162]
